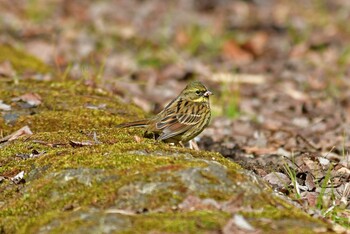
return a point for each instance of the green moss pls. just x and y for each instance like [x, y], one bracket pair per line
[65, 105]
[273, 213]
[191, 222]
[280, 213]
[39, 196]
[116, 171]
[21, 61]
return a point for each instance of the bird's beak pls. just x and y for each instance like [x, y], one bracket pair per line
[207, 93]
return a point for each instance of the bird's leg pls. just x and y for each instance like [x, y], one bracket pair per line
[193, 145]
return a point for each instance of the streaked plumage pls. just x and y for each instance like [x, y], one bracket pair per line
[182, 119]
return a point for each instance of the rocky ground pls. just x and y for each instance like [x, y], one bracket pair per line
[71, 70]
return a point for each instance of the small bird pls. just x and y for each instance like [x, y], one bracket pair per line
[182, 119]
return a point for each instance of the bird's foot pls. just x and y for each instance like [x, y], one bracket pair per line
[193, 145]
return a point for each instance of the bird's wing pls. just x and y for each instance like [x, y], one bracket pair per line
[176, 123]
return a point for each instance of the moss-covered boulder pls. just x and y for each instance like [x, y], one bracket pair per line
[83, 175]
[22, 62]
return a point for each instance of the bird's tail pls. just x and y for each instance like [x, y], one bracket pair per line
[139, 123]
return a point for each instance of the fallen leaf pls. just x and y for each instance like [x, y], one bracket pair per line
[6, 69]
[257, 150]
[33, 99]
[17, 179]
[343, 171]
[294, 93]
[81, 143]
[257, 43]
[232, 51]
[313, 167]
[238, 225]
[24, 131]
[309, 182]
[311, 198]
[4, 106]
[278, 179]
[340, 229]
[324, 162]
[242, 223]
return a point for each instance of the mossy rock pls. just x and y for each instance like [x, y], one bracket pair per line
[23, 62]
[115, 181]
[83, 175]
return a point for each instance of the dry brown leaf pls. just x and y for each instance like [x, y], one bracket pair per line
[259, 151]
[33, 99]
[239, 225]
[17, 179]
[295, 94]
[6, 69]
[309, 182]
[311, 164]
[232, 51]
[24, 131]
[278, 179]
[4, 106]
[81, 143]
[257, 43]
[311, 198]
[344, 171]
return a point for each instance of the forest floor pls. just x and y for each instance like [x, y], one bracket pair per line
[279, 71]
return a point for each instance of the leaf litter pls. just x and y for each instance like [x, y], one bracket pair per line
[281, 78]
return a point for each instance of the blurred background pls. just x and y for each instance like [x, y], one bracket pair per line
[269, 62]
[279, 69]
[272, 63]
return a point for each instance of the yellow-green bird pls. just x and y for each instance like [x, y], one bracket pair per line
[182, 119]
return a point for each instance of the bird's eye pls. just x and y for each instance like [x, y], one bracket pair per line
[198, 92]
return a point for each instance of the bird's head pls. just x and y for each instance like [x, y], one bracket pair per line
[196, 92]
